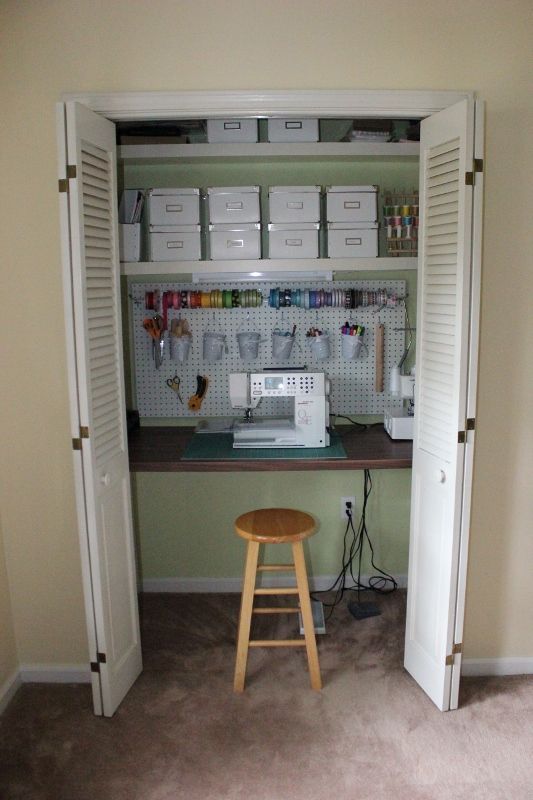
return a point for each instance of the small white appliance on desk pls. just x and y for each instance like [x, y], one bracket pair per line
[308, 426]
[399, 422]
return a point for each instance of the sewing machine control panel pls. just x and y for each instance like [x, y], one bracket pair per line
[286, 385]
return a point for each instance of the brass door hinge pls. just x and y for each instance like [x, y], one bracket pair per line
[461, 437]
[84, 434]
[477, 166]
[63, 182]
[471, 424]
[100, 659]
[457, 648]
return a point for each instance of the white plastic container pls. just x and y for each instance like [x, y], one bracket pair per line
[291, 240]
[294, 203]
[231, 130]
[351, 203]
[235, 241]
[320, 346]
[233, 204]
[352, 241]
[351, 346]
[292, 130]
[398, 424]
[174, 243]
[129, 241]
[173, 206]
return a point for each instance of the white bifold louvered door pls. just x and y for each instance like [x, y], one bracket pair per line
[439, 520]
[92, 279]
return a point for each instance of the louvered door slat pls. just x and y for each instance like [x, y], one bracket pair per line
[436, 362]
[100, 289]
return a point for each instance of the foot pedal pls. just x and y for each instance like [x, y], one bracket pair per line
[318, 617]
[363, 610]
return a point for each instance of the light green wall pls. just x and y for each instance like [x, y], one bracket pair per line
[186, 520]
[184, 523]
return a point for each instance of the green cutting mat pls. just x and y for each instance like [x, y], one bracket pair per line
[219, 446]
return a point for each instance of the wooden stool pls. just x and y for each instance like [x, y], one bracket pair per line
[273, 526]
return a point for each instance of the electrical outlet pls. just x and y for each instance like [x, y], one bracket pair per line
[344, 501]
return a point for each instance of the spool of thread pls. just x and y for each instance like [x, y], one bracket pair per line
[394, 382]
[405, 210]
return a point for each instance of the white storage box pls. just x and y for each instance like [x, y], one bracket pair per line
[294, 203]
[227, 241]
[351, 203]
[129, 241]
[352, 241]
[231, 130]
[292, 130]
[174, 206]
[229, 204]
[174, 243]
[287, 240]
[398, 424]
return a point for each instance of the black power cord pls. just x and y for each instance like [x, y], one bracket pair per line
[381, 583]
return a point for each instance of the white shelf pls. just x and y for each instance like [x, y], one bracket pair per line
[167, 152]
[268, 265]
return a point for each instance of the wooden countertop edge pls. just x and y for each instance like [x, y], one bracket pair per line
[151, 459]
[285, 465]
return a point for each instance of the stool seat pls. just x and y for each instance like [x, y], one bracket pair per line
[275, 525]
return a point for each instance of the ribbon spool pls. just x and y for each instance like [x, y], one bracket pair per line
[151, 300]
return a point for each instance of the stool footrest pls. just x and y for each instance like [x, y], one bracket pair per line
[275, 610]
[277, 643]
[278, 590]
[275, 568]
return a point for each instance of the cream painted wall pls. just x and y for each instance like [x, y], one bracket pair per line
[8, 645]
[59, 46]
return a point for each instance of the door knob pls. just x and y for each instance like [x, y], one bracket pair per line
[441, 476]
[105, 480]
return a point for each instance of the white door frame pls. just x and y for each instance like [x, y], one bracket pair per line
[315, 103]
[121, 106]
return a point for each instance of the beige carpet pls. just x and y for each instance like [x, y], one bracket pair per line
[370, 734]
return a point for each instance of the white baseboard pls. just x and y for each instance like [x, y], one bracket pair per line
[9, 689]
[55, 673]
[184, 585]
[496, 666]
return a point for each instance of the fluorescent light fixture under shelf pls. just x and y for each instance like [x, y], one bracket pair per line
[256, 275]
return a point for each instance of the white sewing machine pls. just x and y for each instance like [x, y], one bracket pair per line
[309, 424]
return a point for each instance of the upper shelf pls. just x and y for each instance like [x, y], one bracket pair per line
[166, 152]
[267, 265]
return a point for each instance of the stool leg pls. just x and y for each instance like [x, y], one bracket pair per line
[245, 617]
[307, 615]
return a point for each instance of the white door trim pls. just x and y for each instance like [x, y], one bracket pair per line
[322, 102]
